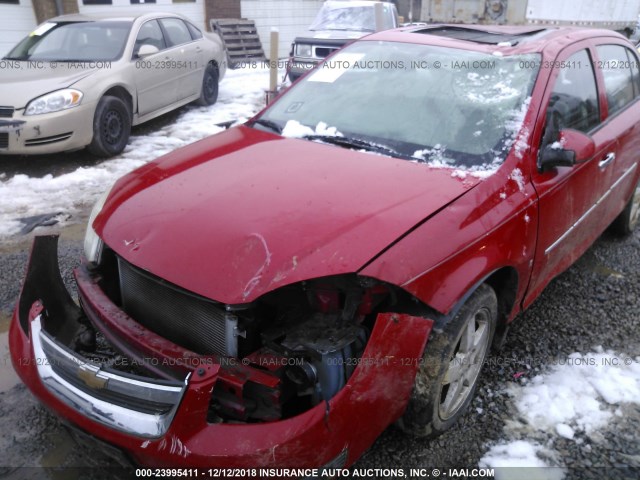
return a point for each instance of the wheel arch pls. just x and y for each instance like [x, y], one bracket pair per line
[505, 282]
[123, 94]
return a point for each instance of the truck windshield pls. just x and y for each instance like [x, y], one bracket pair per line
[428, 104]
[339, 16]
[73, 42]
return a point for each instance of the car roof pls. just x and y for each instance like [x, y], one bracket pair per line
[103, 17]
[496, 39]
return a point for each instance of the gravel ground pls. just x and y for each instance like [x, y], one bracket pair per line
[596, 302]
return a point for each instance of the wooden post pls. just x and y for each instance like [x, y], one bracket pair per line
[273, 65]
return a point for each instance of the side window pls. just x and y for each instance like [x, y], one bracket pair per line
[618, 79]
[195, 33]
[149, 34]
[177, 31]
[574, 101]
[635, 71]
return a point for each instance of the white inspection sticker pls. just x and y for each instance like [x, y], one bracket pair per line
[335, 67]
[42, 29]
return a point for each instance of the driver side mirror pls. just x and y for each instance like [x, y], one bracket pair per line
[571, 147]
[147, 50]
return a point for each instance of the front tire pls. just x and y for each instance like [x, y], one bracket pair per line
[111, 127]
[209, 92]
[627, 221]
[453, 359]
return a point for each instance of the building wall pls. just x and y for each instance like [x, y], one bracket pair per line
[17, 22]
[194, 11]
[291, 17]
[222, 9]
[46, 9]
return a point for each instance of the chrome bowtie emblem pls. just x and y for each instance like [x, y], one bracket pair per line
[91, 377]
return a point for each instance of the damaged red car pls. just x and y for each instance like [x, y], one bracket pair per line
[280, 293]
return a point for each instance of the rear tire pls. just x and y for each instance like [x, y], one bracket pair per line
[627, 221]
[111, 127]
[209, 92]
[452, 361]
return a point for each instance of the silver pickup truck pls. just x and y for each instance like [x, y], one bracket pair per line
[338, 22]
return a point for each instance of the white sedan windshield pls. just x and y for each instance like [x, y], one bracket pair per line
[74, 42]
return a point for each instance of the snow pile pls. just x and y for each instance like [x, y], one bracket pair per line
[520, 460]
[578, 395]
[241, 96]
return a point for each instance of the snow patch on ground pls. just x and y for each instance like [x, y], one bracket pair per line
[241, 96]
[580, 394]
[507, 458]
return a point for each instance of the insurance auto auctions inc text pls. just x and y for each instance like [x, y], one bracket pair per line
[376, 472]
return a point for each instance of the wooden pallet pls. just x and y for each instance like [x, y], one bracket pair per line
[241, 40]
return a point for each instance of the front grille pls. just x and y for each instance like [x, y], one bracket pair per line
[6, 112]
[4, 140]
[189, 320]
[34, 142]
[322, 52]
[138, 404]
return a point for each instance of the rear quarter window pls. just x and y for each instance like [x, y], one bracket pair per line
[617, 65]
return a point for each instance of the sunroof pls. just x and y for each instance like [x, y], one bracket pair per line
[479, 36]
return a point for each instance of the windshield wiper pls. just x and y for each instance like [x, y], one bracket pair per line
[271, 125]
[350, 142]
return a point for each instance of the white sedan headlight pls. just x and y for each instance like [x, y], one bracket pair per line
[92, 242]
[54, 102]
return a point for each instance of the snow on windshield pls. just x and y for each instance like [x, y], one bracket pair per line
[294, 129]
[443, 107]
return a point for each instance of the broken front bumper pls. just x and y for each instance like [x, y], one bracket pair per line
[163, 422]
[61, 131]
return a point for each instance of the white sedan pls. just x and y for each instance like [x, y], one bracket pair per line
[79, 81]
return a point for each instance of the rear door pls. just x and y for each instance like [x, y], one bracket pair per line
[156, 86]
[618, 67]
[184, 57]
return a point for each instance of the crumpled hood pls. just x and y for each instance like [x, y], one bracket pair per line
[22, 82]
[244, 212]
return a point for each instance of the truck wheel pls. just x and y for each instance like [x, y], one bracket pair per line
[111, 127]
[451, 365]
[627, 221]
[209, 92]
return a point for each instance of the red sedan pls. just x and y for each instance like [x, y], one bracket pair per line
[280, 293]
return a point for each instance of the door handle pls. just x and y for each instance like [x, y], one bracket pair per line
[607, 160]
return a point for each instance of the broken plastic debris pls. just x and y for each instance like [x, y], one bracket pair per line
[44, 220]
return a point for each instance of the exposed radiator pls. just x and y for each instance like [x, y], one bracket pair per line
[184, 318]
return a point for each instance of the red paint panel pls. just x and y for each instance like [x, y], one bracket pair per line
[267, 212]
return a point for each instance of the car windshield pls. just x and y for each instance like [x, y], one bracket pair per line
[332, 17]
[73, 42]
[429, 104]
